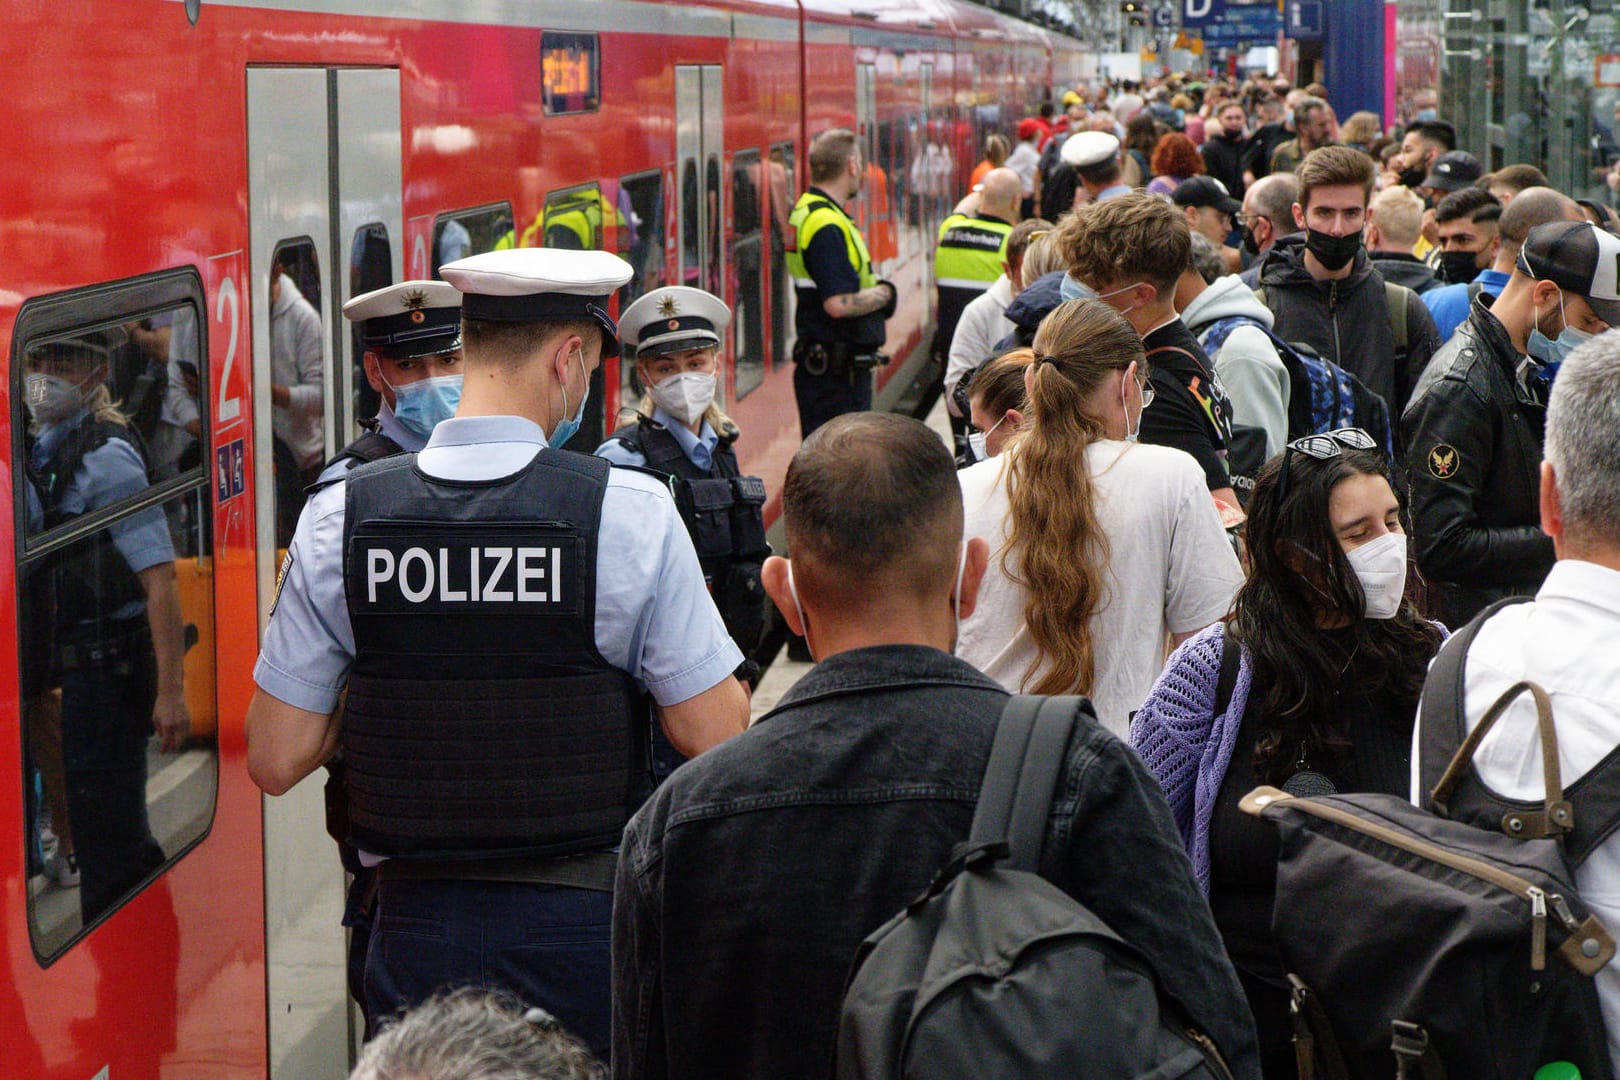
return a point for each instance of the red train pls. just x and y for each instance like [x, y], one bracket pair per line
[168, 154]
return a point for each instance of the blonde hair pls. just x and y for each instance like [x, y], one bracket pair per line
[1052, 526]
[1041, 257]
[724, 426]
[1398, 213]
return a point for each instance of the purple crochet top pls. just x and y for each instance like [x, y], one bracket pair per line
[1185, 746]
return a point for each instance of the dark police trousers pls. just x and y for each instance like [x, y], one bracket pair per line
[823, 397]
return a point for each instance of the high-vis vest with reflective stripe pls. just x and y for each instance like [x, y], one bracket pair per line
[970, 252]
[810, 215]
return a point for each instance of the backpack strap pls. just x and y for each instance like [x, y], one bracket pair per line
[1015, 798]
[1231, 661]
[1395, 299]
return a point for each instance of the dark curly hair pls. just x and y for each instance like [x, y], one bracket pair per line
[1298, 668]
[1175, 155]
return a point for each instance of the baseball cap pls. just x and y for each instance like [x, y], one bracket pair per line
[1454, 171]
[1205, 191]
[1070, 98]
[1579, 257]
[1028, 128]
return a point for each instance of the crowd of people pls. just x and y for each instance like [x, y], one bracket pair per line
[1261, 409]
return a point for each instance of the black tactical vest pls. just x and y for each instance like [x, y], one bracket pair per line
[481, 720]
[370, 446]
[724, 514]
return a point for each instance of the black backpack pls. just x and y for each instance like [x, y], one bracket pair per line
[1432, 942]
[995, 972]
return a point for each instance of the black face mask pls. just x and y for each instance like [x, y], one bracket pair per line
[1414, 177]
[1333, 252]
[1250, 244]
[1459, 267]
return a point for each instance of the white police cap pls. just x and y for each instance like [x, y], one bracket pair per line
[411, 319]
[1089, 148]
[674, 318]
[537, 284]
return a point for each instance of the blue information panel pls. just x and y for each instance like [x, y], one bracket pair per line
[1305, 21]
[1244, 23]
[1197, 14]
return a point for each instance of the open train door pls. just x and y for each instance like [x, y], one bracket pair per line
[324, 187]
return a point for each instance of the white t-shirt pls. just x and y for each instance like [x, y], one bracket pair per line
[1564, 640]
[1170, 570]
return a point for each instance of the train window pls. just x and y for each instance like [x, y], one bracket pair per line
[689, 224]
[371, 267]
[297, 379]
[784, 190]
[573, 219]
[471, 232]
[711, 192]
[570, 73]
[747, 281]
[641, 206]
[114, 594]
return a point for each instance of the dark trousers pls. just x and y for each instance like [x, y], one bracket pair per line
[822, 397]
[547, 944]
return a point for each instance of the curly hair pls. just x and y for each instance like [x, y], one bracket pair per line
[1135, 237]
[1175, 155]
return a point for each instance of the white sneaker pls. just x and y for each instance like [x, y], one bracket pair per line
[63, 868]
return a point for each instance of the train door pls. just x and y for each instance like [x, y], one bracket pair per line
[698, 148]
[324, 190]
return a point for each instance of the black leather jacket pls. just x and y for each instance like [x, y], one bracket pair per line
[1473, 434]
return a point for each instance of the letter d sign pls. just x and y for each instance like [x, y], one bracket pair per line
[1198, 9]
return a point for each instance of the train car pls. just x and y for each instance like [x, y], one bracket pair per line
[193, 191]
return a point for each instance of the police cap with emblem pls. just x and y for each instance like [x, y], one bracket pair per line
[672, 319]
[408, 320]
[1086, 148]
[540, 284]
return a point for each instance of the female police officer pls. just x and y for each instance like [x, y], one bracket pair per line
[102, 617]
[681, 434]
[495, 608]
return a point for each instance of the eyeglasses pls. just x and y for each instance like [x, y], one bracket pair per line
[1323, 447]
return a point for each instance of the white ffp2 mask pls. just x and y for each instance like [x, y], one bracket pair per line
[1380, 565]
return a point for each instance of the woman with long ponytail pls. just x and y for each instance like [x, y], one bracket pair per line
[1103, 550]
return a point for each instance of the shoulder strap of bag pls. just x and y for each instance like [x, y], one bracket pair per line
[1395, 299]
[1015, 798]
[1231, 660]
[1443, 714]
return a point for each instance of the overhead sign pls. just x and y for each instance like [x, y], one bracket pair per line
[1607, 70]
[1244, 24]
[1199, 13]
[1305, 19]
[1163, 18]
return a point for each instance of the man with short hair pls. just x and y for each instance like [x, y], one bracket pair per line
[1394, 220]
[1534, 206]
[1209, 209]
[1467, 222]
[1563, 640]
[1473, 430]
[1313, 127]
[1226, 152]
[1421, 147]
[1269, 134]
[1095, 157]
[982, 323]
[1325, 292]
[1132, 251]
[1268, 216]
[971, 251]
[749, 880]
[842, 304]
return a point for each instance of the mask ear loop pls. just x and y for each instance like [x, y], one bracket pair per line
[804, 624]
[956, 597]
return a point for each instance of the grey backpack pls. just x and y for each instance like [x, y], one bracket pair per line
[995, 972]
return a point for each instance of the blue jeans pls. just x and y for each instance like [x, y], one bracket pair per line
[547, 944]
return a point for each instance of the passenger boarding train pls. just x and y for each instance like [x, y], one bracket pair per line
[192, 190]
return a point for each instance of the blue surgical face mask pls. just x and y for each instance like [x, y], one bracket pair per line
[420, 405]
[1071, 289]
[978, 441]
[568, 425]
[1425, 115]
[1550, 353]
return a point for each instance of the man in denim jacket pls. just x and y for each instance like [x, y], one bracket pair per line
[747, 881]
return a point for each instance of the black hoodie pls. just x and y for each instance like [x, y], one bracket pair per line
[1348, 320]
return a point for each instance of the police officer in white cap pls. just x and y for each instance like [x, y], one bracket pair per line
[497, 610]
[411, 334]
[680, 433]
[1095, 157]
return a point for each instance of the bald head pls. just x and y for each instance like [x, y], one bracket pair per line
[1531, 207]
[1000, 193]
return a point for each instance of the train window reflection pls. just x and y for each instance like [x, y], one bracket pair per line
[471, 232]
[371, 267]
[747, 281]
[711, 193]
[641, 208]
[297, 379]
[573, 219]
[115, 604]
[784, 190]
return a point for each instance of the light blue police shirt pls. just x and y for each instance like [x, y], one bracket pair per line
[654, 617]
[387, 424]
[699, 448]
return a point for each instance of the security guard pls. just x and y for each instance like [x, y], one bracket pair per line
[842, 305]
[497, 608]
[411, 334]
[972, 251]
[681, 433]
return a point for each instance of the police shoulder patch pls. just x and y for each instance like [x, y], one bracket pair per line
[281, 578]
[1443, 461]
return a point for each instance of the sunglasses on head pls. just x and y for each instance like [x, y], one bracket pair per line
[1322, 447]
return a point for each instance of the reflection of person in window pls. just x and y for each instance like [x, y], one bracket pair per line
[295, 373]
[107, 626]
[170, 341]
